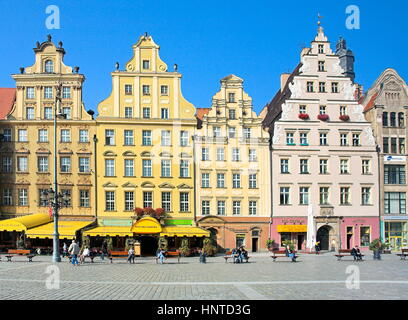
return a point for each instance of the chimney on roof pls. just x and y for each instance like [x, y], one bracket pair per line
[284, 79]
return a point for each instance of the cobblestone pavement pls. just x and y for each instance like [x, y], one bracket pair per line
[313, 277]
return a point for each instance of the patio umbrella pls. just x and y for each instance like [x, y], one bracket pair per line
[311, 241]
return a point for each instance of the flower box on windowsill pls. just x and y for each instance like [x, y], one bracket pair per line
[303, 116]
[323, 117]
[291, 144]
[304, 144]
[344, 117]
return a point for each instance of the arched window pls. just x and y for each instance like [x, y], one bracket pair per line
[49, 66]
[400, 119]
[392, 119]
[385, 119]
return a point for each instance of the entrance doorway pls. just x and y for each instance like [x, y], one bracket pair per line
[322, 236]
[148, 245]
[254, 244]
[300, 240]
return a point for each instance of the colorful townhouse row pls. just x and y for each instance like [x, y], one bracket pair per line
[152, 166]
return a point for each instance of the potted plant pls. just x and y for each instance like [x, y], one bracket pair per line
[139, 212]
[290, 244]
[303, 116]
[184, 248]
[323, 117]
[344, 117]
[208, 248]
[270, 244]
[377, 247]
[149, 211]
[163, 243]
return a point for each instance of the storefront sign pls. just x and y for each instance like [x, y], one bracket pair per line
[116, 223]
[174, 222]
[292, 228]
[146, 226]
[395, 158]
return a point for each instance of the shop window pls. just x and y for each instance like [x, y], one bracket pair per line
[285, 237]
[365, 236]
[240, 240]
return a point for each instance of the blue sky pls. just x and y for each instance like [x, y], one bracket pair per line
[256, 40]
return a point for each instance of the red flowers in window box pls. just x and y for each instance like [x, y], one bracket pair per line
[160, 212]
[149, 211]
[323, 117]
[344, 117]
[303, 116]
[139, 212]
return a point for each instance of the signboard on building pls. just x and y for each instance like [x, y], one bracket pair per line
[395, 158]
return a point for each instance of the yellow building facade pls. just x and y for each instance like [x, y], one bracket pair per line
[145, 148]
[27, 149]
[233, 170]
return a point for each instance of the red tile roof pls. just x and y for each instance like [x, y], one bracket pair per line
[201, 112]
[371, 103]
[7, 98]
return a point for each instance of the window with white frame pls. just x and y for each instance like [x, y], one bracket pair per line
[22, 135]
[23, 197]
[146, 90]
[7, 197]
[129, 140]
[236, 180]
[236, 207]
[231, 132]
[356, 139]
[164, 113]
[253, 181]
[65, 135]
[236, 154]
[365, 196]
[166, 201]
[147, 199]
[303, 139]
[42, 135]
[109, 137]
[129, 200]
[184, 166]
[47, 92]
[165, 138]
[48, 66]
[146, 138]
[42, 164]
[323, 166]
[216, 132]
[42, 202]
[309, 86]
[66, 92]
[146, 64]
[205, 180]
[22, 164]
[183, 138]
[146, 113]
[345, 195]
[84, 201]
[344, 166]
[164, 90]
[166, 168]
[324, 195]
[7, 165]
[247, 133]
[65, 164]
[302, 109]
[7, 135]
[322, 110]
[284, 195]
[231, 97]
[147, 168]
[220, 154]
[231, 114]
[323, 139]
[128, 89]
[221, 207]
[129, 168]
[220, 180]
[366, 166]
[321, 66]
[284, 165]
[290, 138]
[320, 48]
[128, 112]
[253, 205]
[30, 115]
[83, 135]
[343, 110]
[304, 195]
[184, 202]
[205, 154]
[109, 200]
[48, 113]
[343, 139]
[304, 166]
[30, 93]
[322, 87]
[335, 87]
[109, 167]
[205, 207]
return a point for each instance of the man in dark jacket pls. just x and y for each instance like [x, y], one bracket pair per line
[355, 252]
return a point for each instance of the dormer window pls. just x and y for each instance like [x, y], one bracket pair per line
[49, 66]
[321, 48]
[146, 64]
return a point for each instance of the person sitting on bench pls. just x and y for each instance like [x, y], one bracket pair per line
[355, 252]
[85, 253]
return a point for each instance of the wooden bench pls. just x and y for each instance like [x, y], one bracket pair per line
[117, 255]
[229, 254]
[346, 253]
[403, 254]
[282, 254]
[170, 254]
[19, 252]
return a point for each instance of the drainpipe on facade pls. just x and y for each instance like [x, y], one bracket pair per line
[271, 184]
[194, 182]
[378, 149]
[95, 140]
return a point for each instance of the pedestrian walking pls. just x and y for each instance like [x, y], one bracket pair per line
[203, 256]
[131, 255]
[64, 250]
[317, 247]
[161, 256]
[377, 251]
[104, 250]
[74, 251]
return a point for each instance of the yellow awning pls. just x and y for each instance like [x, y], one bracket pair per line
[109, 231]
[292, 228]
[184, 232]
[23, 223]
[146, 225]
[66, 229]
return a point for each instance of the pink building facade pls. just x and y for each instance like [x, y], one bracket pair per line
[323, 153]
